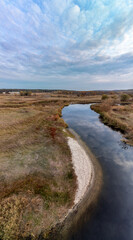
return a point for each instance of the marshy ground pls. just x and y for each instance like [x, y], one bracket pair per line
[37, 180]
[118, 114]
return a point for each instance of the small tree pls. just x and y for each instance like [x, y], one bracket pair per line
[124, 97]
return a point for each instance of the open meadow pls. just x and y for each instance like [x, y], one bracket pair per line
[37, 180]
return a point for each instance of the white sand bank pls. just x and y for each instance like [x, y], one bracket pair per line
[82, 166]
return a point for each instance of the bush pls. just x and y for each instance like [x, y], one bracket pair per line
[105, 106]
[124, 97]
[52, 131]
[104, 97]
[25, 93]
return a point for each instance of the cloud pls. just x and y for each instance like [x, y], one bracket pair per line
[53, 40]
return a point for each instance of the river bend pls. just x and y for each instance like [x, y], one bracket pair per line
[113, 216]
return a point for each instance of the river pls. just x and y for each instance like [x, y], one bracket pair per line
[113, 216]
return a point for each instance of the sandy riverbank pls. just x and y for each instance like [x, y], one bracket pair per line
[83, 168]
[89, 181]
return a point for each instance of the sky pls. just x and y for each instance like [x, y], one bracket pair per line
[66, 44]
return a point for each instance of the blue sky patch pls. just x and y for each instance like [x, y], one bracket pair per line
[69, 44]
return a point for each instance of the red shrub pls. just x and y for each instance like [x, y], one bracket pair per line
[52, 131]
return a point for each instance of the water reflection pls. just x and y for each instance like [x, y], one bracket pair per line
[113, 218]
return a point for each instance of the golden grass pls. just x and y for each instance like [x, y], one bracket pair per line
[35, 164]
[37, 180]
[119, 117]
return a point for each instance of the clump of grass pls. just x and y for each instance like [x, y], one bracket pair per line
[70, 175]
[10, 217]
[21, 216]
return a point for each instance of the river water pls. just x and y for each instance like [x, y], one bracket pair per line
[113, 216]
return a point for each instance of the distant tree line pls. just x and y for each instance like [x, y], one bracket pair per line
[68, 92]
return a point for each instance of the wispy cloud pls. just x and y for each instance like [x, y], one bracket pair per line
[60, 43]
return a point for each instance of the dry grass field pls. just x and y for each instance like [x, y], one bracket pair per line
[118, 115]
[37, 180]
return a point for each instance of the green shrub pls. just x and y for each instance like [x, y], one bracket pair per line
[104, 97]
[124, 97]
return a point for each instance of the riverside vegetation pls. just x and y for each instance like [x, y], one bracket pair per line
[37, 180]
[117, 111]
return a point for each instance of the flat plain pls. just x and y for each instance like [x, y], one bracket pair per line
[37, 180]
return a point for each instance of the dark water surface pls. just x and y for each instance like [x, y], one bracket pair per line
[113, 217]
